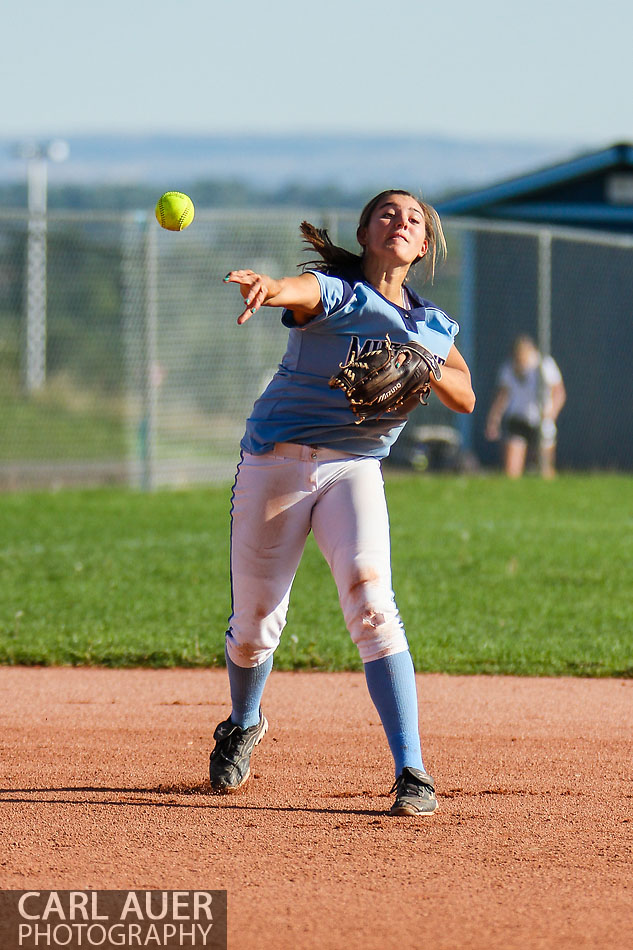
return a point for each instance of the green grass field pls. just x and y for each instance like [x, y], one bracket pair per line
[490, 577]
[84, 429]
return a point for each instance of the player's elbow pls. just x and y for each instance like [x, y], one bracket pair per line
[463, 401]
[468, 403]
[459, 389]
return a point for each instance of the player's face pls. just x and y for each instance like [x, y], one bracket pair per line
[396, 229]
[525, 357]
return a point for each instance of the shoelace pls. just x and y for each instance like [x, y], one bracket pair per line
[229, 744]
[410, 786]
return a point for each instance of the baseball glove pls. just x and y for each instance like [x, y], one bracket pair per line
[385, 378]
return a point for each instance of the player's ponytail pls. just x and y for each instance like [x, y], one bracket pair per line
[333, 258]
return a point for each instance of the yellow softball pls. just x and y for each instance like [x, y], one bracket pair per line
[174, 211]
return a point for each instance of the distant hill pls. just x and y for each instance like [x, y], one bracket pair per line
[433, 165]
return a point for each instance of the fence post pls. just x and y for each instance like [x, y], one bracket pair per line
[150, 362]
[467, 317]
[544, 323]
[330, 223]
[544, 318]
[34, 367]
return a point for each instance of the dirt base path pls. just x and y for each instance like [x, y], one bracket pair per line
[102, 786]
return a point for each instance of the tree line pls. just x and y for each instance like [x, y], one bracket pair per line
[205, 194]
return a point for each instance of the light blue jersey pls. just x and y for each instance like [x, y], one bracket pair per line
[298, 404]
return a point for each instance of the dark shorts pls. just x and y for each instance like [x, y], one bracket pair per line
[519, 428]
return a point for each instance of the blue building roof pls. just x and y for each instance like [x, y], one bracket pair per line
[593, 190]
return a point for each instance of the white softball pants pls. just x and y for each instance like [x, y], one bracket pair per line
[278, 499]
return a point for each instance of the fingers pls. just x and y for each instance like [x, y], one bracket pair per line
[401, 358]
[246, 315]
[250, 283]
[240, 276]
[255, 296]
[253, 288]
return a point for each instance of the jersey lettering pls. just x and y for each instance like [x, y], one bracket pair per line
[355, 350]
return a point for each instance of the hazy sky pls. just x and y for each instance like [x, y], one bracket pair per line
[544, 70]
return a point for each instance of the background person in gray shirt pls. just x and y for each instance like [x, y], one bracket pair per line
[530, 394]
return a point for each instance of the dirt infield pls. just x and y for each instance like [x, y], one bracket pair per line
[103, 787]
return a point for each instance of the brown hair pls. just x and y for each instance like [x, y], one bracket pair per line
[333, 258]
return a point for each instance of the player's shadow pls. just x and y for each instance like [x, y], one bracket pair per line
[199, 795]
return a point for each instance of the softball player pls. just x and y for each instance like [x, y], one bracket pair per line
[530, 395]
[307, 466]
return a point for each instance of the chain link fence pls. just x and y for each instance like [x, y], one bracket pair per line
[121, 361]
[572, 292]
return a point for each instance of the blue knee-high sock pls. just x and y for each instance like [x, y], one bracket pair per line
[247, 686]
[391, 684]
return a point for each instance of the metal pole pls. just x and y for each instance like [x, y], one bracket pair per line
[133, 284]
[545, 292]
[34, 372]
[467, 321]
[544, 323]
[150, 362]
[330, 223]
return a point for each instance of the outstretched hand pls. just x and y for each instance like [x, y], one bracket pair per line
[301, 294]
[256, 289]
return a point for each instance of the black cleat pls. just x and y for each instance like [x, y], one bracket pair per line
[415, 793]
[229, 763]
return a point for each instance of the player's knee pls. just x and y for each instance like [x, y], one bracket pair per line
[248, 651]
[377, 632]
